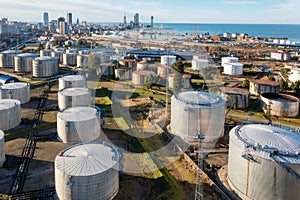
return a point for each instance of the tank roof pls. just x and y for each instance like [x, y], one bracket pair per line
[74, 91]
[265, 82]
[11, 52]
[8, 103]
[15, 85]
[72, 78]
[77, 114]
[200, 99]
[86, 159]
[271, 139]
[47, 58]
[27, 55]
[233, 90]
[143, 72]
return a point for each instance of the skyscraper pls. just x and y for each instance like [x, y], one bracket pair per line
[69, 18]
[46, 18]
[60, 19]
[151, 24]
[136, 23]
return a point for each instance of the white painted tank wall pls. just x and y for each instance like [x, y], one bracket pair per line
[123, 73]
[262, 178]
[2, 151]
[87, 171]
[167, 60]
[7, 58]
[45, 52]
[106, 70]
[10, 114]
[45, 66]
[58, 54]
[233, 68]
[78, 124]
[82, 61]
[23, 62]
[229, 60]
[199, 64]
[70, 59]
[142, 66]
[71, 81]
[191, 112]
[236, 101]
[18, 90]
[138, 77]
[74, 97]
[162, 70]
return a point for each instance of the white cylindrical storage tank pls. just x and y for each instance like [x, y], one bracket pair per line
[78, 124]
[7, 58]
[139, 77]
[107, 69]
[71, 81]
[87, 171]
[18, 90]
[59, 49]
[123, 73]
[229, 60]
[142, 65]
[163, 70]
[264, 162]
[58, 54]
[186, 81]
[84, 52]
[194, 112]
[74, 97]
[167, 60]
[236, 98]
[45, 52]
[71, 51]
[82, 61]
[171, 80]
[10, 114]
[199, 64]
[70, 59]
[45, 66]
[2, 151]
[233, 68]
[23, 62]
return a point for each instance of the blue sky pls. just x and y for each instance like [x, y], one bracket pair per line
[193, 11]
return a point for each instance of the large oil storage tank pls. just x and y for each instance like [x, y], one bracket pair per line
[142, 65]
[233, 68]
[193, 112]
[167, 60]
[82, 61]
[7, 58]
[139, 77]
[45, 52]
[229, 60]
[236, 98]
[70, 59]
[2, 152]
[58, 54]
[71, 51]
[199, 64]
[107, 69]
[73, 123]
[163, 70]
[71, 81]
[19, 91]
[264, 162]
[23, 62]
[45, 66]
[123, 73]
[74, 97]
[84, 52]
[10, 113]
[87, 171]
[281, 105]
[185, 81]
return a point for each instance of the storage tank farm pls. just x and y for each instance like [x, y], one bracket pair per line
[2, 152]
[194, 113]
[87, 171]
[18, 90]
[45, 66]
[71, 81]
[264, 162]
[23, 62]
[7, 58]
[78, 124]
[10, 114]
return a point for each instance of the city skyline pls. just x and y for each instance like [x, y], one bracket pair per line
[214, 11]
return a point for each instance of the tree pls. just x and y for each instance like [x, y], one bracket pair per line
[283, 84]
[178, 66]
[245, 83]
[295, 85]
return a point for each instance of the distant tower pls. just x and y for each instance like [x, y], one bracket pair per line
[136, 23]
[124, 21]
[63, 27]
[152, 18]
[77, 21]
[46, 18]
[69, 18]
[60, 19]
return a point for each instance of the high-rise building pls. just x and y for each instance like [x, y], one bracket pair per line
[77, 21]
[151, 24]
[136, 23]
[60, 19]
[69, 18]
[124, 21]
[46, 18]
[63, 27]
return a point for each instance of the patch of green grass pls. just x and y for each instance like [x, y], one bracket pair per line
[122, 123]
[103, 100]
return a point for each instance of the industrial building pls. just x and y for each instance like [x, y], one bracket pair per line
[71, 81]
[281, 105]
[78, 124]
[7, 58]
[194, 113]
[87, 171]
[45, 66]
[236, 98]
[74, 97]
[264, 162]
[23, 62]
[2, 150]
[18, 90]
[280, 55]
[139, 77]
[10, 114]
[257, 87]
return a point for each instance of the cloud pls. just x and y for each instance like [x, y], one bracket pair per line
[240, 2]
